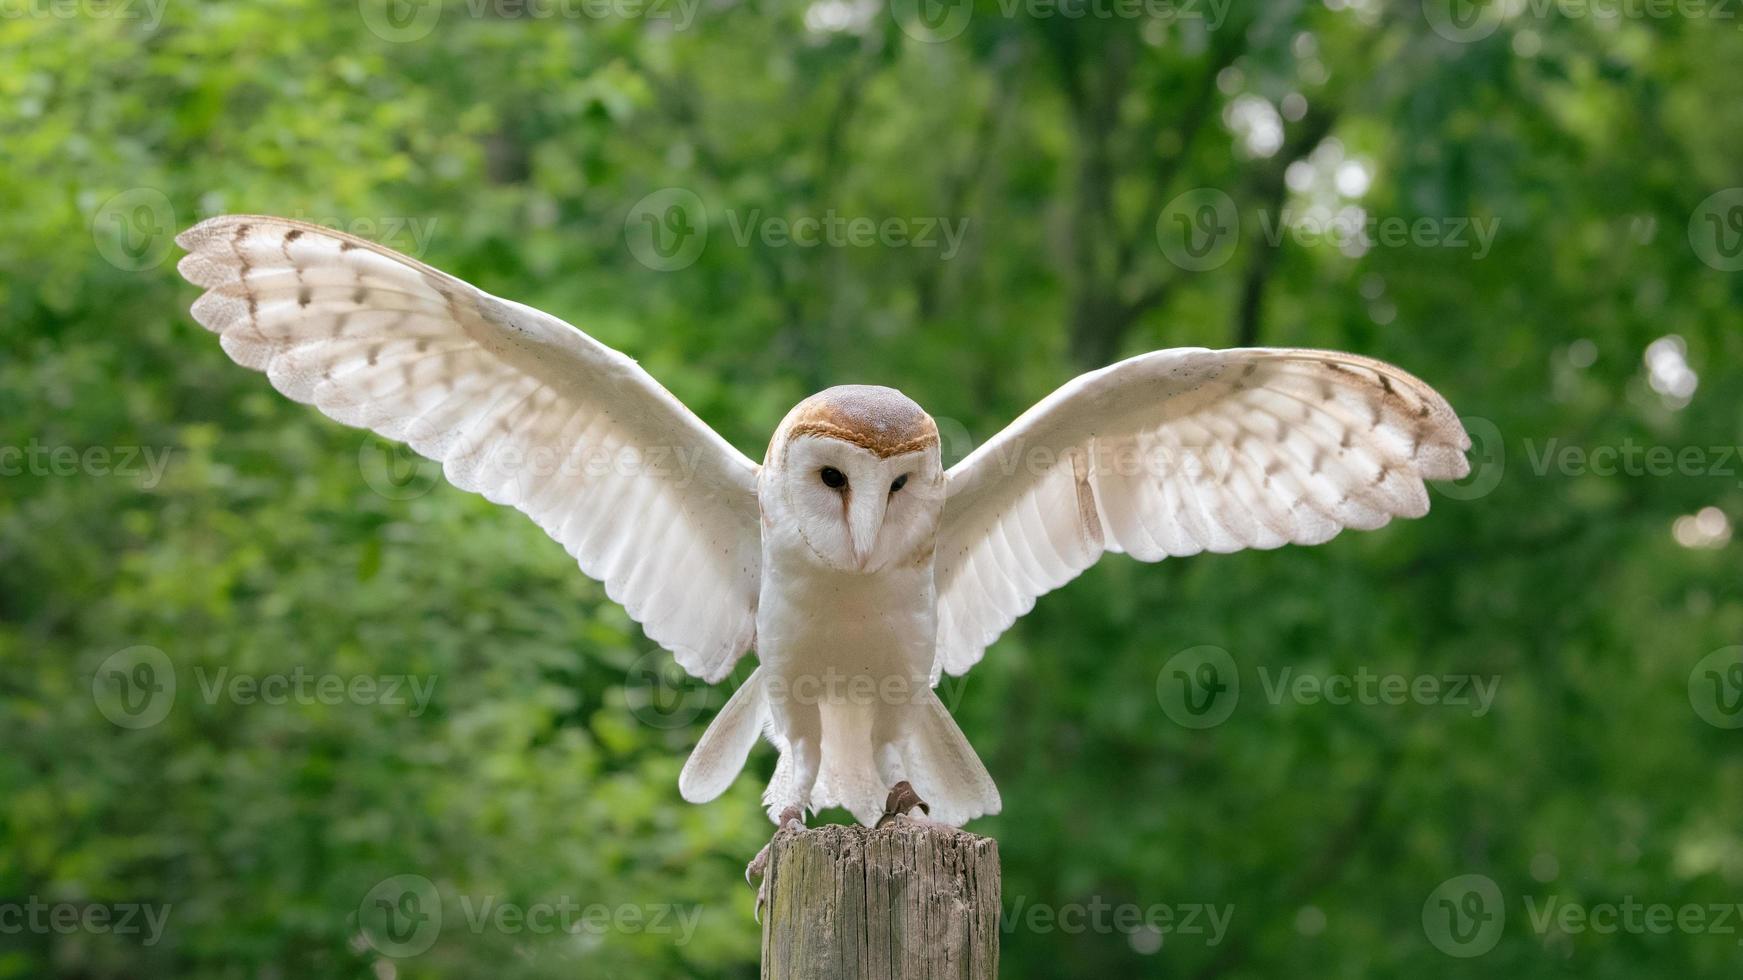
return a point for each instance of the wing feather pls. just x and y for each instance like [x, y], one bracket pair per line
[515, 404]
[1178, 452]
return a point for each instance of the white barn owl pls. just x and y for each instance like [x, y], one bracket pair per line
[851, 560]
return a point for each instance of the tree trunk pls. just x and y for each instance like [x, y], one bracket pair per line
[910, 901]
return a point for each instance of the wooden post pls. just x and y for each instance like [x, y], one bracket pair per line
[909, 901]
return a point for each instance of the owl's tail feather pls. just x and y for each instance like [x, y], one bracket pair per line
[944, 768]
[721, 754]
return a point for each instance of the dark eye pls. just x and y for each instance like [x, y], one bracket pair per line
[833, 478]
[901, 481]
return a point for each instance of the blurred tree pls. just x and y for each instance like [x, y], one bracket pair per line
[1546, 193]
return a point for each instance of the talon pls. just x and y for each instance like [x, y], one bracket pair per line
[758, 864]
[792, 821]
[902, 799]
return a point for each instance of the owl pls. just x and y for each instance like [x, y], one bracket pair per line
[851, 560]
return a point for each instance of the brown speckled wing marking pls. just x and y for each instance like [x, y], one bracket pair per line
[1177, 452]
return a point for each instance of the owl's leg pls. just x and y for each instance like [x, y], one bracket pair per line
[802, 727]
[799, 723]
[891, 721]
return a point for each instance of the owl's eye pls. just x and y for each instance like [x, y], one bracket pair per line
[901, 481]
[833, 478]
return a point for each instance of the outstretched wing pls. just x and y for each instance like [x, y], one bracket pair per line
[1177, 452]
[516, 405]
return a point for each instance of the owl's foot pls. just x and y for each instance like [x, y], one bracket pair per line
[792, 821]
[901, 803]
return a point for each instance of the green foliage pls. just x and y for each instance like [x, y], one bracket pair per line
[511, 150]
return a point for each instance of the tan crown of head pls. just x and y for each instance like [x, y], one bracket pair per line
[880, 420]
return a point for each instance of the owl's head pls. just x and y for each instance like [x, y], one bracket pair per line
[854, 475]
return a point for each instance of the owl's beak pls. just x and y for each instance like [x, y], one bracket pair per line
[865, 518]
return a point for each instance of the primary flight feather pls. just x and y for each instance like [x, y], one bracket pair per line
[858, 568]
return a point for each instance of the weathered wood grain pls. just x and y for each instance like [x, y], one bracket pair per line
[912, 901]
